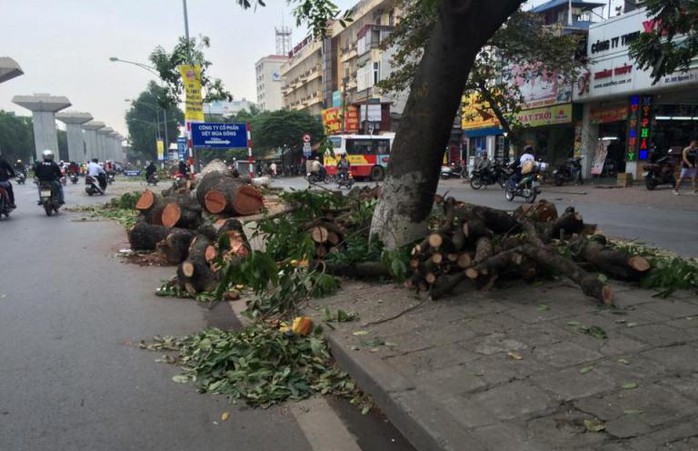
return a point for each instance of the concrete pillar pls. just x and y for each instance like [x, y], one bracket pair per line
[590, 141]
[9, 69]
[103, 137]
[113, 146]
[43, 108]
[91, 140]
[76, 140]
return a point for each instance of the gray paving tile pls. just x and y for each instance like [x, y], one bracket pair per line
[428, 360]
[657, 334]
[573, 383]
[680, 359]
[514, 400]
[565, 354]
[673, 308]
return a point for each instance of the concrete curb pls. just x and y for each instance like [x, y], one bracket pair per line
[425, 423]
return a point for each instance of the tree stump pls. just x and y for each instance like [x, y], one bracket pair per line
[145, 237]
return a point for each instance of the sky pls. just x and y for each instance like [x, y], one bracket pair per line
[64, 46]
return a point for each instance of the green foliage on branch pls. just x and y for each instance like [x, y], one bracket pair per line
[186, 52]
[16, 137]
[258, 365]
[673, 43]
[522, 41]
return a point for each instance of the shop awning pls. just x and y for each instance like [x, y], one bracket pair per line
[478, 132]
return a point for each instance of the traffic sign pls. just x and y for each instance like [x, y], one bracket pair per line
[182, 147]
[307, 150]
[306, 138]
[218, 136]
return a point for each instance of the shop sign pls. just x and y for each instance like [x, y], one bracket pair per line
[476, 113]
[298, 47]
[612, 71]
[552, 115]
[577, 139]
[539, 90]
[612, 113]
[639, 128]
[332, 120]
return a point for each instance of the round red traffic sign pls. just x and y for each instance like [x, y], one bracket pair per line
[306, 138]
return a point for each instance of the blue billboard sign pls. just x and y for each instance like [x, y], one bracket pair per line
[211, 135]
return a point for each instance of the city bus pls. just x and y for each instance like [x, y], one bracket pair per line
[368, 155]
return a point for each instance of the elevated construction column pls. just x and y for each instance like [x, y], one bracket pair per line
[9, 69]
[91, 140]
[76, 140]
[119, 150]
[103, 138]
[43, 108]
[113, 145]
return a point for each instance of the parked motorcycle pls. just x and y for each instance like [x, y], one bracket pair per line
[496, 174]
[527, 186]
[4, 203]
[95, 185]
[152, 180]
[453, 171]
[73, 178]
[48, 198]
[21, 177]
[661, 172]
[569, 172]
[345, 180]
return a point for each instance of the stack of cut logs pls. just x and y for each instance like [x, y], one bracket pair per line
[173, 225]
[483, 244]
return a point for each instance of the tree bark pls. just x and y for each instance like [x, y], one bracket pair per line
[462, 28]
[144, 236]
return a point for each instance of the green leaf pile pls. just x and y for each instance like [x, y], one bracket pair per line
[258, 365]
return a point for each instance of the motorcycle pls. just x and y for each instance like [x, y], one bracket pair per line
[528, 186]
[95, 185]
[320, 176]
[110, 177]
[48, 198]
[450, 172]
[496, 174]
[661, 172]
[21, 177]
[73, 178]
[345, 179]
[4, 203]
[569, 172]
[152, 180]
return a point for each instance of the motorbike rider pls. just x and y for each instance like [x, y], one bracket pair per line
[96, 171]
[317, 168]
[109, 167]
[6, 173]
[343, 167]
[19, 167]
[183, 169]
[150, 170]
[73, 168]
[485, 163]
[48, 171]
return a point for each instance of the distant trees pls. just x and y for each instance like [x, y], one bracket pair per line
[16, 137]
[143, 119]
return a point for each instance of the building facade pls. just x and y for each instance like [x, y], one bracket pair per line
[302, 77]
[270, 82]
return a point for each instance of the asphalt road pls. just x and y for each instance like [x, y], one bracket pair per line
[657, 218]
[72, 376]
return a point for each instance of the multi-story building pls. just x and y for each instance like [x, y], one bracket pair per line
[342, 71]
[302, 75]
[269, 82]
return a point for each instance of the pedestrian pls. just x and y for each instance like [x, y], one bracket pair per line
[688, 166]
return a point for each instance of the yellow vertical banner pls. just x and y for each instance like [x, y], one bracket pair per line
[161, 149]
[193, 104]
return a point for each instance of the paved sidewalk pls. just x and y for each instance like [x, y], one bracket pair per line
[523, 368]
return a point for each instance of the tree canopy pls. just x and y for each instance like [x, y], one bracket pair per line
[672, 42]
[521, 50]
[145, 116]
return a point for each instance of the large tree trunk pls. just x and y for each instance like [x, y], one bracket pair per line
[462, 28]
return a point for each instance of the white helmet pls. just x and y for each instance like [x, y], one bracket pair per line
[48, 154]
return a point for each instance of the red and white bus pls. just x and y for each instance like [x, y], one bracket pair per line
[368, 155]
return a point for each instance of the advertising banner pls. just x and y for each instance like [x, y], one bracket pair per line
[351, 121]
[539, 90]
[552, 115]
[332, 120]
[160, 144]
[476, 113]
[193, 105]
